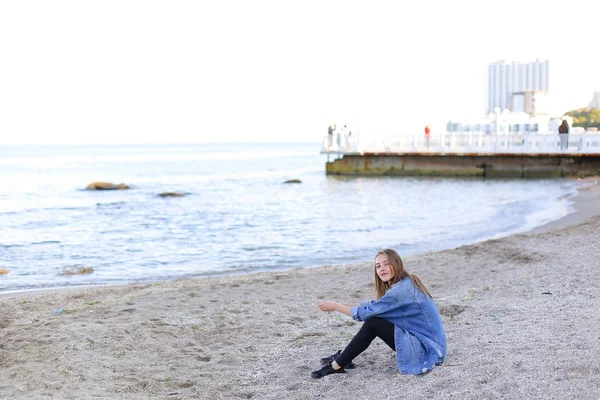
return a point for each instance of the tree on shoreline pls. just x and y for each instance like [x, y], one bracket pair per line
[585, 117]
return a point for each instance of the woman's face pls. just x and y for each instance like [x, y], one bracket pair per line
[383, 268]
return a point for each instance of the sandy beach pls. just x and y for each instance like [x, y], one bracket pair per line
[521, 314]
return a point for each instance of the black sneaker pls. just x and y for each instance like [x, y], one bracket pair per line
[328, 360]
[326, 370]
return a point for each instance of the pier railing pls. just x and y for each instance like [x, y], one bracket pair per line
[465, 143]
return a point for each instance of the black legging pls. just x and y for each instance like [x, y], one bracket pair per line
[372, 328]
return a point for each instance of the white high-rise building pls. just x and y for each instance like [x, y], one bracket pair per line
[505, 79]
[595, 103]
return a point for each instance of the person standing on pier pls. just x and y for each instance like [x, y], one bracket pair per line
[330, 131]
[341, 134]
[563, 131]
[345, 134]
[427, 136]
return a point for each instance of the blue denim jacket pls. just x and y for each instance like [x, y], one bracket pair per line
[419, 335]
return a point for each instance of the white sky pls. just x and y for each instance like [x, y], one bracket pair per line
[239, 70]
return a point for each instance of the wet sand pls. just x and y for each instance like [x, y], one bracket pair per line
[521, 314]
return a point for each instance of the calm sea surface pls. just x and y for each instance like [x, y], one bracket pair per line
[238, 216]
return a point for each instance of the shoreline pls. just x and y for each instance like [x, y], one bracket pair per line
[583, 205]
[520, 313]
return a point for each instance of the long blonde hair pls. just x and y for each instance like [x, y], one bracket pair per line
[397, 266]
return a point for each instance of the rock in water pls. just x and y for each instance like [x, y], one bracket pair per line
[293, 181]
[106, 186]
[76, 270]
[171, 194]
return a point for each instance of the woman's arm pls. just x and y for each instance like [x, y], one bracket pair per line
[398, 296]
[329, 306]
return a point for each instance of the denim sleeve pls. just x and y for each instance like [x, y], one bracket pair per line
[368, 309]
[362, 304]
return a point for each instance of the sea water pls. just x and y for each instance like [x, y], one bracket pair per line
[238, 215]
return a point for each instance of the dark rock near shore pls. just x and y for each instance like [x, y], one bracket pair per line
[171, 194]
[293, 181]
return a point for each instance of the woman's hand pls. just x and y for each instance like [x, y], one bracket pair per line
[328, 306]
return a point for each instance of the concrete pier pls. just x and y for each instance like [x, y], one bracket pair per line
[491, 165]
[468, 154]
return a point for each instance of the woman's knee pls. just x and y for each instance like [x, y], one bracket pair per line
[376, 324]
[370, 328]
[384, 329]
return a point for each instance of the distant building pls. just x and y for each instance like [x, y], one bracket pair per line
[528, 81]
[506, 123]
[531, 102]
[595, 103]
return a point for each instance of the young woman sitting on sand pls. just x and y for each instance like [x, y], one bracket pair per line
[404, 316]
